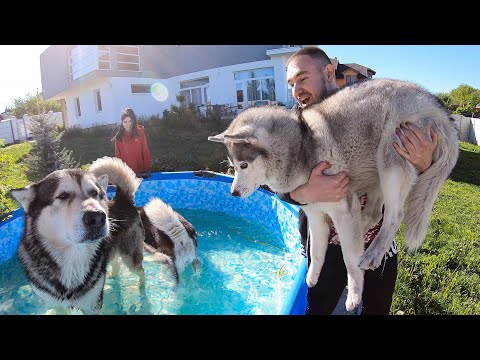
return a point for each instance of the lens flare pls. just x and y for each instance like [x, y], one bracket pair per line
[159, 91]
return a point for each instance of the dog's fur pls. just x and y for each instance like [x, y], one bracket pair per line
[127, 232]
[169, 237]
[65, 244]
[353, 130]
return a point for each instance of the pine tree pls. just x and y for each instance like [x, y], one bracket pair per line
[46, 156]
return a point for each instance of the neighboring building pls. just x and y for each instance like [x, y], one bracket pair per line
[94, 83]
[347, 74]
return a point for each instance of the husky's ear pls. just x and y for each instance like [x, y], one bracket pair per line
[103, 181]
[243, 136]
[24, 196]
[217, 138]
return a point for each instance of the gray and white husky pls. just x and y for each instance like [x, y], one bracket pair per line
[353, 130]
[66, 242]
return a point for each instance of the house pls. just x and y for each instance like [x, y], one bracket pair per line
[94, 83]
[347, 74]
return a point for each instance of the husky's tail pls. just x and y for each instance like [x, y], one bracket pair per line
[119, 174]
[419, 203]
[162, 216]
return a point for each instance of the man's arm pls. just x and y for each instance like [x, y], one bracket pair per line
[419, 150]
[319, 188]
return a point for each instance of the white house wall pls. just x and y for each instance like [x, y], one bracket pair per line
[116, 93]
[222, 82]
[143, 104]
[90, 117]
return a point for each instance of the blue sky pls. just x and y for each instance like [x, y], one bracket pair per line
[438, 68]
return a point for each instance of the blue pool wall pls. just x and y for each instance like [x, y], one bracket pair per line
[187, 190]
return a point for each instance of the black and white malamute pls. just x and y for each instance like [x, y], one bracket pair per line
[67, 242]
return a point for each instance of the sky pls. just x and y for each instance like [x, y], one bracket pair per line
[438, 68]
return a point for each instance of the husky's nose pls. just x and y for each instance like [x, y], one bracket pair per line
[94, 219]
[235, 193]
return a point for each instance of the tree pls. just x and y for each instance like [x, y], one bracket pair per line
[445, 99]
[32, 105]
[466, 97]
[46, 155]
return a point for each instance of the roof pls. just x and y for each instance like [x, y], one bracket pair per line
[360, 69]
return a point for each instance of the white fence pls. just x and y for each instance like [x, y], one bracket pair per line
[469, 128]
[14, 130]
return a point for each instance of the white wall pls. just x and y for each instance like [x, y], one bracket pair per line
[85, 92]
[222, 82]
[13, 129]
[142, 104]
[116, 93]
[6, 132]
[469, 128]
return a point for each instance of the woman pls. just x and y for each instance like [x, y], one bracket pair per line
[131, 143]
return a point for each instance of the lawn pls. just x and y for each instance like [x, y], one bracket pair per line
[443, 277]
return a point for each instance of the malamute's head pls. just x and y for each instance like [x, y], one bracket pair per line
[256, 144]
[66, 207]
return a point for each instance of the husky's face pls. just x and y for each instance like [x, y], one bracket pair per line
[67, 207]
[248, 160]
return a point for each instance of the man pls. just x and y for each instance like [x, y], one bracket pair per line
[312, 78]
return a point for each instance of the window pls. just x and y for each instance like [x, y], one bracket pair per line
[82, 60]
[259, 85]
[98, 100]
[239, 95]
[86, 58]
[140, 88]
[128, 58]
[195, 91]
[103, 57]
[350, 79]
[78, 111]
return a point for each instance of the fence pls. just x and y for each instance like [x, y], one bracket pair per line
[469, 128]
[14, 130]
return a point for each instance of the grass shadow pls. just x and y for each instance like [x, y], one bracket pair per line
[467, 169]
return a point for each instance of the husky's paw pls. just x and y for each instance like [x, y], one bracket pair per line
[312, 279]
[353, 300]
[370, 260]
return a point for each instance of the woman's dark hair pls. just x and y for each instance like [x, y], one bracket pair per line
[128, 112]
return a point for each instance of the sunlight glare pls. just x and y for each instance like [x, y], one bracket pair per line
[159, 91]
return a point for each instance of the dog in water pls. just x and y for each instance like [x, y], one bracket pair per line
[353, 130]
[127, 232]
[66, 241]
[169, 237]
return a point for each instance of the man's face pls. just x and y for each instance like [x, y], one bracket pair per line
[307, 78]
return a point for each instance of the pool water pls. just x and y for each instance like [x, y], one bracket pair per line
[245, 270]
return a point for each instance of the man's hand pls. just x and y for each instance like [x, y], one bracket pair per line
[322, 188]
[419, 149]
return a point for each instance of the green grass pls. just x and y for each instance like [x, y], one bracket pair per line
[12, 173]
[171, 148]
[443, 277]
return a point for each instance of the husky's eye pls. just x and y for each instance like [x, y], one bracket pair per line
[243, 165]
[63, 196]
[93, 193]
